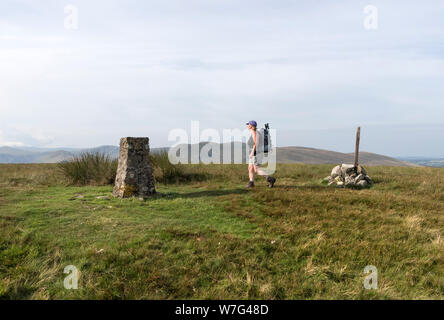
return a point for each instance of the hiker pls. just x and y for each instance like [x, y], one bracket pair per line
[256, 156]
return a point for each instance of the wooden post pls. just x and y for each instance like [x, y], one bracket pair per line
[358, 138]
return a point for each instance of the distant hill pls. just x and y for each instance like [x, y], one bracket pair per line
[112, 151]
[46, 155]
[52, 156]
[319, 156]
[284, 155]
[428, 162]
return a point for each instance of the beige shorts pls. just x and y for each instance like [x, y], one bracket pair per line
[255, 160]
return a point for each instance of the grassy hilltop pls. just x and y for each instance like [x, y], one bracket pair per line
[211, 238]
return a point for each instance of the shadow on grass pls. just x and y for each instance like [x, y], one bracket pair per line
[198, 194]
[309, 187]
[217, 193]
[321, 187]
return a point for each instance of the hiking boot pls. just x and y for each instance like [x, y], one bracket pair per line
[271, 182]
[250, 184]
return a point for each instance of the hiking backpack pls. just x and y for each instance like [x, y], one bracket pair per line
[265, 135]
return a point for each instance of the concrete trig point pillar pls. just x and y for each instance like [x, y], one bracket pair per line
[134, 173]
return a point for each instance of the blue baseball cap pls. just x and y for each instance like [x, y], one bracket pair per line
[253, 123]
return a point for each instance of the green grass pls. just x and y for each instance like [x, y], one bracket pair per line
[212, 239]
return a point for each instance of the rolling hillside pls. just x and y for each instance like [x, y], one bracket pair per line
[319, 156]
[284, 155]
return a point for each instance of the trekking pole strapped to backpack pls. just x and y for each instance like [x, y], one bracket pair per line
[266, 138]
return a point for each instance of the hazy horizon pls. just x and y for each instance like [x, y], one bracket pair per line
[143, 68]
[54, 148]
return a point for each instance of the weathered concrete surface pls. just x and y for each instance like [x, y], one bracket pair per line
[134, 173]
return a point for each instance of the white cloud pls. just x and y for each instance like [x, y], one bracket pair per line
[143, 68]
[23, 136]
[4, 142]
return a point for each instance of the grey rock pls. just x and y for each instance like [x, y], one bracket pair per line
[363, 183]
[336, 171]
[347, 169]
[349, 181]
[369, 180]
[134, 172]
[348, 175]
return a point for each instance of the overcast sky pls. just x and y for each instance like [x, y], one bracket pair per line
[142, 68]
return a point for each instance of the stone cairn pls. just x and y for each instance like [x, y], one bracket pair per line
[347, 175]
[134, 173]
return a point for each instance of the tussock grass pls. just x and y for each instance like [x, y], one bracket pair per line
[100, 169]
[211, 238]
[166, 172]
[89, 169]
